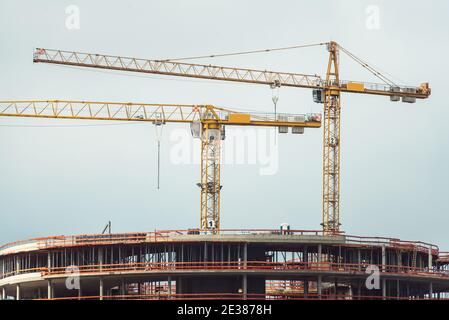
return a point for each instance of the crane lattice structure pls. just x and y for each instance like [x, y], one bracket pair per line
[207, 123]
[326, 91]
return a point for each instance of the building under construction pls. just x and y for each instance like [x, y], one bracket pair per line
[210, 262]
[231, 264]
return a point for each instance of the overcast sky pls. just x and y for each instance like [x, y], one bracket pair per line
[63, 177]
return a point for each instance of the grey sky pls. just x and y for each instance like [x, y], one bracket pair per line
[69, 180]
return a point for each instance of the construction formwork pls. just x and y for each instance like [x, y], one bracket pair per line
[228, 264]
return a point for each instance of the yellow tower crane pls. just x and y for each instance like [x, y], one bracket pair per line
[326, 91]
[207, 123]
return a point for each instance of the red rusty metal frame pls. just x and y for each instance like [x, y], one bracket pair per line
[154, 267]
[235, 296]
[165, 235]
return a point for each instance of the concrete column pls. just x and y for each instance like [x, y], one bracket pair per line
[245, 255]
[80, 290]
[430, 290]
[306, 256]
[17, 292]
[179, 288]
[100, 258]
[101, 289]
[306, 288]
[122, 287]
[359, 260]
[17, 265]
[49, 261]
[319, 254]
[359, 290]
[245, 286]
[384, 258]
[3, 293]
[430, 259]
[169, 286]
[319, 287]
[336, 289]
[384, 288]
[398, 289]
[49, 289]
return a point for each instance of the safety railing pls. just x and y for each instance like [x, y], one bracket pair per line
[291, 266]
[40, 270]
[169, 235]
[261, 266]
[384, 87]
[395, 243]
[240, 296]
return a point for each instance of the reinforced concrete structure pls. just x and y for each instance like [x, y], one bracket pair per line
[228, 264]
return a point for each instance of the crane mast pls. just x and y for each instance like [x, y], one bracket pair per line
[210, 176]
[331, 145]
[326, 91]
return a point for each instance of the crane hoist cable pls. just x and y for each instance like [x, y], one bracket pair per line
[158, 125]
[275, 98]
[363, 63]
[246, 52]
[372, 70]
